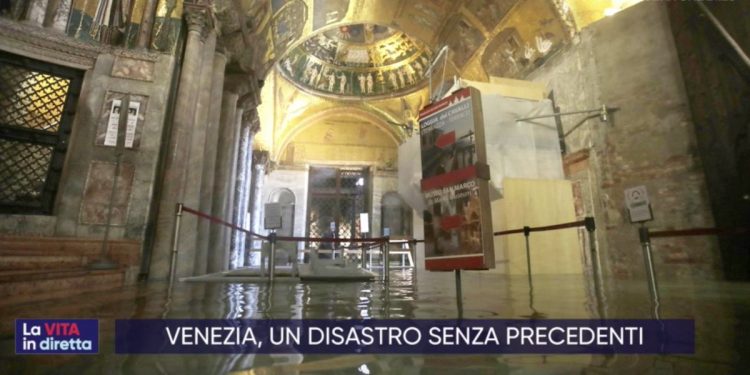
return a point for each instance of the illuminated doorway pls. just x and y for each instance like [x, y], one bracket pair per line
[336, 198]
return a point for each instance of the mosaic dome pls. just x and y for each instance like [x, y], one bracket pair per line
[357, 61]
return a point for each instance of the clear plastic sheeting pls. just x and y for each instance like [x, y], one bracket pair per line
[520, 149]
[515, 149]
[410, 173]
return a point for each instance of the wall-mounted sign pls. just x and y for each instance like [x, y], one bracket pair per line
[272, 219]
[133, 108]
[364, 222]
[113, 123]
[457, 218]
[638, 204]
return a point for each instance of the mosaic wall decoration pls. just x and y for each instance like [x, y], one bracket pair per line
[523, 46]
[119, 22]
[463, 39]
[489, 12]
[358, 60]
[326, 12]
[426, 14]
[288, 24]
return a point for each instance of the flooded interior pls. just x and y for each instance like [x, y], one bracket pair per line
[144, 143]
[720, 310]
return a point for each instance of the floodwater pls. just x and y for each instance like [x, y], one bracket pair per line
[721, 311]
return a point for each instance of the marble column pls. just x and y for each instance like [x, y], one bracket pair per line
[177, 164]
[255, 196]
[220, 207]
[232, 183]
[209, 154]
[239, 214]
[193, 190]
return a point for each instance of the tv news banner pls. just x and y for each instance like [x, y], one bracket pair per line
[372, 336]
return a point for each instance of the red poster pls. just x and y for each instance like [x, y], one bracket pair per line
[458, 222]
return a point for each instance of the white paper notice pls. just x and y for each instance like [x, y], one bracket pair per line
[133, 109]
[110, 138]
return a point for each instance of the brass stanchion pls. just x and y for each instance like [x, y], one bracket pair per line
[596, 267]
[648, 260]
[175, 245]
[526, 233]
[271, 257]
[386, 259]
[459, 297]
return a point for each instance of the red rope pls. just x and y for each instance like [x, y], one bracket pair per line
[699, 232]
[214, 219]
[559, 226]
[573, 224]
[511, 231]
[333, 240]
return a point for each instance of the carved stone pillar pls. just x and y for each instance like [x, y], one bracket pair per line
[177, 164]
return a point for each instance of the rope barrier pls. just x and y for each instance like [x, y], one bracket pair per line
[281, 238]
[333, 240]
[380, 240]
[214, 219]
[574, 224]
[700, 232]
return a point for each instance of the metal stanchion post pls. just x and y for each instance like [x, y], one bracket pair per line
[364, 255]
[386, 259]
[295, 262]
[596, 267]
[590, 225]
[175, 244]
[650, 273]
[526, 233]
[271, 256]
[459, 297]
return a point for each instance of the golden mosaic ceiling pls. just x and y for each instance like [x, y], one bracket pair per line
[358, 61]
[304, 48]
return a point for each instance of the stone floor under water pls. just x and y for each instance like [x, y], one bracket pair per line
[721, 311]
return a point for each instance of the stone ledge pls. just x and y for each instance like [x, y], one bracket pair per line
[124, 252]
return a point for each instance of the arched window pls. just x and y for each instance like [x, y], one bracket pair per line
[395, 216]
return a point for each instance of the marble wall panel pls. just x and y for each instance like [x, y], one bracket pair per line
[98, 190]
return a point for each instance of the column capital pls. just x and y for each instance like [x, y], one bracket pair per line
[198, 18]
[221, 48]
[249, 101]
[260, 157]
[251, 120]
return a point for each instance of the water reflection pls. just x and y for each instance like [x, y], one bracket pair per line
[719, 309]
